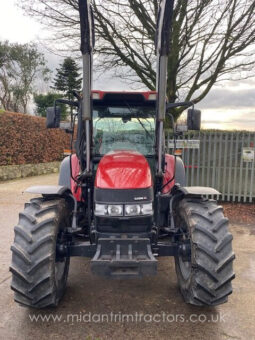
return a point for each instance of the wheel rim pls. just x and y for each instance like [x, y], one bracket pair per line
[60, 261]
[185, 264]
[185, 267]
[60, 270]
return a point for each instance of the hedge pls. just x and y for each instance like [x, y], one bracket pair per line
[24, 139]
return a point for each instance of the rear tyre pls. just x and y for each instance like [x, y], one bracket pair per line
[205, 275]
[39, 276]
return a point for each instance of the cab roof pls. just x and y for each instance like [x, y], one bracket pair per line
[112, 98]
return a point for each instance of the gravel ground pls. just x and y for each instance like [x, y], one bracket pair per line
[240, 213]
[152, 308]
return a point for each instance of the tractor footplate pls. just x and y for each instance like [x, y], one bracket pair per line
[119, 257]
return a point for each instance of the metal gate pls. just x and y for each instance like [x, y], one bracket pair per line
[224, 161]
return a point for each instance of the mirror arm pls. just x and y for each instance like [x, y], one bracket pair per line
[77, 95]
[173, 105]
[67, 102]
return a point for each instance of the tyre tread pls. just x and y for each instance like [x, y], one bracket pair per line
[212, 259]
[33, 252]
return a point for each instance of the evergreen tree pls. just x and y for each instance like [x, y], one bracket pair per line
[68, 78]
[43, 101]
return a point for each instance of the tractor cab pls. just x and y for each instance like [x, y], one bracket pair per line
[124, 121]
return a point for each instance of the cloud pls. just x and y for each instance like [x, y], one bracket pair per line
[243, 84]
[229, 119]
[109, 82]
[229, 98]
[14, 26]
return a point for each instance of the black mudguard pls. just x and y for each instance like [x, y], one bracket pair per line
[49, 190]
[198, 191]
[180, 176]
[65, 173]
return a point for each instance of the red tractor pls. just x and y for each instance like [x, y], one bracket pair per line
[121, 200]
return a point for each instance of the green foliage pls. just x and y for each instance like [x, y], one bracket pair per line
[43, 101]
[20, 66]
[68, 78]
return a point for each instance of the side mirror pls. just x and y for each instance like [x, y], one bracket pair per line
[194, 119]
[53, 117]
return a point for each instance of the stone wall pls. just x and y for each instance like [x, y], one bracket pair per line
[10, 172]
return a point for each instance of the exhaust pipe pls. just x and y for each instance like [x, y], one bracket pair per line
[163, 38]
[87, 46]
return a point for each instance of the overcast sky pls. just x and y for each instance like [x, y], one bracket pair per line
[229, 106]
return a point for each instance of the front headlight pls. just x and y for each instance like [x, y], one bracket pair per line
[129, 210]
[108, 210]
[115, 210]
[138, 209]
[101, 209]
[147, 209]
[132, 210]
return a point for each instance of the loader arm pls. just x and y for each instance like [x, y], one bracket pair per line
[87, 47]
[163, 39]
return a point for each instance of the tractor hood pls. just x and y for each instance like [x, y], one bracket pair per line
[123, 169]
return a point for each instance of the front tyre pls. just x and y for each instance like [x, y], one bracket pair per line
[205, 275]
[39, 275]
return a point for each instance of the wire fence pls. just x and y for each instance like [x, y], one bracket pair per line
[222, 160]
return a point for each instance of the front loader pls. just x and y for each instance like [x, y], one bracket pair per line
[122, 201]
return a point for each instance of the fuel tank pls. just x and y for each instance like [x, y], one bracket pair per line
[123, 169]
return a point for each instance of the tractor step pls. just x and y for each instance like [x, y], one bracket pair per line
[124, 257]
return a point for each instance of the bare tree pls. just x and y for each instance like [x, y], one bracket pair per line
[212, 40]
[20, 67]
